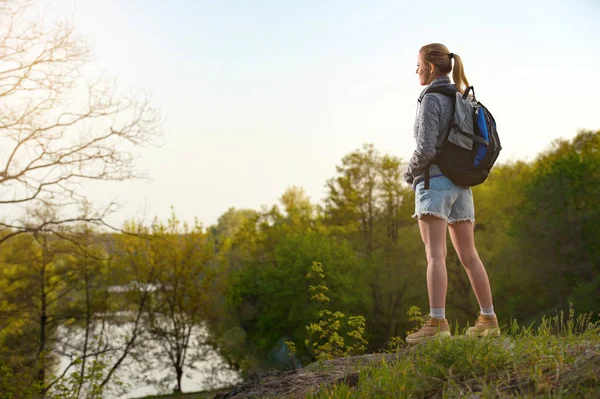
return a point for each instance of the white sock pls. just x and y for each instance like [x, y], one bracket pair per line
[437, 313]
[488, 311]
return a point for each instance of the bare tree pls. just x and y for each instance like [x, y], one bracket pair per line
[58, 127]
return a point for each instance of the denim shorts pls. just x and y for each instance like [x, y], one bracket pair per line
[445, 200]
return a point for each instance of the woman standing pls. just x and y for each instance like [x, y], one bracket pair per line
[444, 205]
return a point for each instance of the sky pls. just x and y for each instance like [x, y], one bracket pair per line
[261, 95]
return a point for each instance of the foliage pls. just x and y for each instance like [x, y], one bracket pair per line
[328, 328]
[561, 219]
[548, 205]
[558, 358]
[245, 278]
[267, 295]
[414, 315]
[369, 206]
[69, 388]
[13, 387]
[174, 269]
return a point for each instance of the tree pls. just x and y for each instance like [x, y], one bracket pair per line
[174, 267]
[560, 218]
[58, 127]
[352, 197]
[299, 212]
[395, 235]
[88, 308]
[368, 204]
[38, 278]
[497, 203]
[268, 296]
[229, 224]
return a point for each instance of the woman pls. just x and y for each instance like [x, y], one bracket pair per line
[444, 204]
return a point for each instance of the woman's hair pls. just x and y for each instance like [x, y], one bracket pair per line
[438, 55]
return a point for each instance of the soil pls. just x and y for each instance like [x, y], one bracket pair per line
[311, 379]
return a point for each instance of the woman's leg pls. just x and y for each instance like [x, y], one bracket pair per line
[433, 233]
[463, 239]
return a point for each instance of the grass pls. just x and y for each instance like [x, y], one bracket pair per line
[558, 359]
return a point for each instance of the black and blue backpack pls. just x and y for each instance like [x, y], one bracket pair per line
[466, 153]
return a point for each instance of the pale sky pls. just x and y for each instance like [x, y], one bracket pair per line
[262, 95]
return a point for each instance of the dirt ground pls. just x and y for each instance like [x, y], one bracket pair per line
[299, 383]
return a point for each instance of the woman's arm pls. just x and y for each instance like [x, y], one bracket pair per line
[427, 135]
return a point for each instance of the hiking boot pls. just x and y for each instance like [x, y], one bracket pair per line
[485, 326]
[433, 328]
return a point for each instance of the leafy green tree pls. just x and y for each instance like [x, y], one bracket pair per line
[185, 296]
[560, 219]
[368, 205]
[270, 298]
[497, 204]
[230, 222]
[51, 280]
[267, 295]
[330, 326]
[36, 278]
[351, 202]
[172, 291]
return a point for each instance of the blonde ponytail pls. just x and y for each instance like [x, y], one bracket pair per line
[438, 55]
[458, 74]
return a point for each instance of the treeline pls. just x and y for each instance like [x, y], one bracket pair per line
[537, 231]
[245, 281]
[65, 293]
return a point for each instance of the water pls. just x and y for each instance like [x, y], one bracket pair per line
[147, 370]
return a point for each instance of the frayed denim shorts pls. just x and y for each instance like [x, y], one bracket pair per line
[445, 200]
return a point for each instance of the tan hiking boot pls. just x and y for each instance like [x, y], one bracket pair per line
[433, 328]
[485, 326]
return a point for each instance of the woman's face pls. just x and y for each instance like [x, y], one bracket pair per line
[424, 70]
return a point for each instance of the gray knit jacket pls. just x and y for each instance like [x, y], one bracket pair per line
[434, 116]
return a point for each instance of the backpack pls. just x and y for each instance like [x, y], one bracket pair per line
[466, 153]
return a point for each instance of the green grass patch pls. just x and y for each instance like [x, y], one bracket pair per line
[558, 359]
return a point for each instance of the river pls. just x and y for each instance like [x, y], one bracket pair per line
[147, 371]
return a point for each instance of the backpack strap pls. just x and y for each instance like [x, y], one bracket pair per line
[467, 92]
[447, 91]
[476, 139]
[426, 184]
